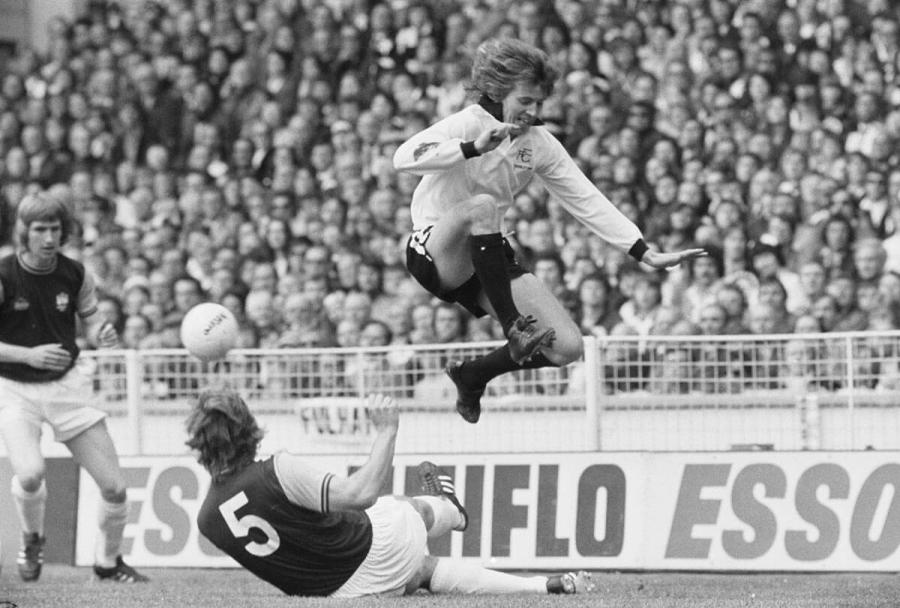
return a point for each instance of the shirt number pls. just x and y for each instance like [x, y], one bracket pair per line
[241, 527]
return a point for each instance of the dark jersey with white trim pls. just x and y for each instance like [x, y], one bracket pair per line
[40, 308]
[301, 551]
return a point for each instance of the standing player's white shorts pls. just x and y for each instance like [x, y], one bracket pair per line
[60, 403]
[399, 545]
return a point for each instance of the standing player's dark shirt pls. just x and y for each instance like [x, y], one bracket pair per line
[40, 308]
[301, 551]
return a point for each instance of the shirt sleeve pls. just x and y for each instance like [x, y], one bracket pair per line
[437, 148]
[87, 296]
[580, 197]
[303, 484]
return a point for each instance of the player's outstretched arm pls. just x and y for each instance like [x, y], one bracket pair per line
[361, 489]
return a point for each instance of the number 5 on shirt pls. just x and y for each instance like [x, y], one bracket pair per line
[241, 527]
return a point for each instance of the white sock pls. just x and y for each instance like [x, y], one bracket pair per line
[446, 516]
[111, 521]
[457, 576]
[30, 506]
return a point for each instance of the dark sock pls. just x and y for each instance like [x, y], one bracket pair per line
[482, 370]
[537, 361]
[489, 260]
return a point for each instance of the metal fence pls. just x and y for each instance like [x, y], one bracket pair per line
[660, 393]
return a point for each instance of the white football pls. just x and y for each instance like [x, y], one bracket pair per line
[209, 331]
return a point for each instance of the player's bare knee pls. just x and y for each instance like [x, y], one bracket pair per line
[425, 512]
[482, 214]
[114, 493]
[568, 346]
[31, 480]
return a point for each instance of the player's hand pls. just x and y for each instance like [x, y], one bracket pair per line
[491, 138]
[49, 356]
[107, 336]
[383, 412]
[669, 260]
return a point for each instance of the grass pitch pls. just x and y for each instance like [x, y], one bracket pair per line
[67, 587]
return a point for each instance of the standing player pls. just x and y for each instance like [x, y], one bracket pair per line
[315, 533]
[473, 164]
[42, 380]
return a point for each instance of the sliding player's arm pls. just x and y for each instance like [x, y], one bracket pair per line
[327, 492]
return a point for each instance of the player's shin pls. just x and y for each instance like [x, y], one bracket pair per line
[30, 506]
[482, 370]
[456, 576]
[111, 518]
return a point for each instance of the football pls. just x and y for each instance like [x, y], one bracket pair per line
[209, 331]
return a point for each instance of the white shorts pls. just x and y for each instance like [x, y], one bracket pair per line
[60, 403]
[399, 545]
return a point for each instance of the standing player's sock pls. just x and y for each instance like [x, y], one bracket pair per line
[111, 522]
[30, 506]
[489, 260]
[482, 370]
[455, 576]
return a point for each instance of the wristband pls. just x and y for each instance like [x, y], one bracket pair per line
[638, 250]
[468, 149]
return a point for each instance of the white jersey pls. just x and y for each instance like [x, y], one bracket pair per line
[450, 178]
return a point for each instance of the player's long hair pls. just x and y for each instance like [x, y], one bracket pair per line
[42, 207]
[223, 432]
[500, 65]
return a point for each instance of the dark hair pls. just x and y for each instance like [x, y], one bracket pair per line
[838, 218]
[223, 432]
[119, 323]
[388, 332]
[186, 278]
[714, 253]
[552, 257]
[775, 282]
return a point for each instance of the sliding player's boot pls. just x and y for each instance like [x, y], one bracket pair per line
[435, 482]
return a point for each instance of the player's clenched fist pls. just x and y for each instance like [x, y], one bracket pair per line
[493, 137]
[383, 412]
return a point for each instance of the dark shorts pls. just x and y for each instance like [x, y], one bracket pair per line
[421, 266]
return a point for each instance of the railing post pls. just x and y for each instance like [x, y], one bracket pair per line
[592, 393]
[851, 390]
[133, 381]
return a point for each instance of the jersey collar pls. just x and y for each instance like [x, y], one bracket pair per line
[495, 109]
[35, 269]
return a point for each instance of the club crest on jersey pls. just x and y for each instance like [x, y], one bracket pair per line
[524, 158]
[62, 301]
[20, 304]
[423, 148]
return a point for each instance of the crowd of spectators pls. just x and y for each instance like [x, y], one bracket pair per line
[240, 152]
